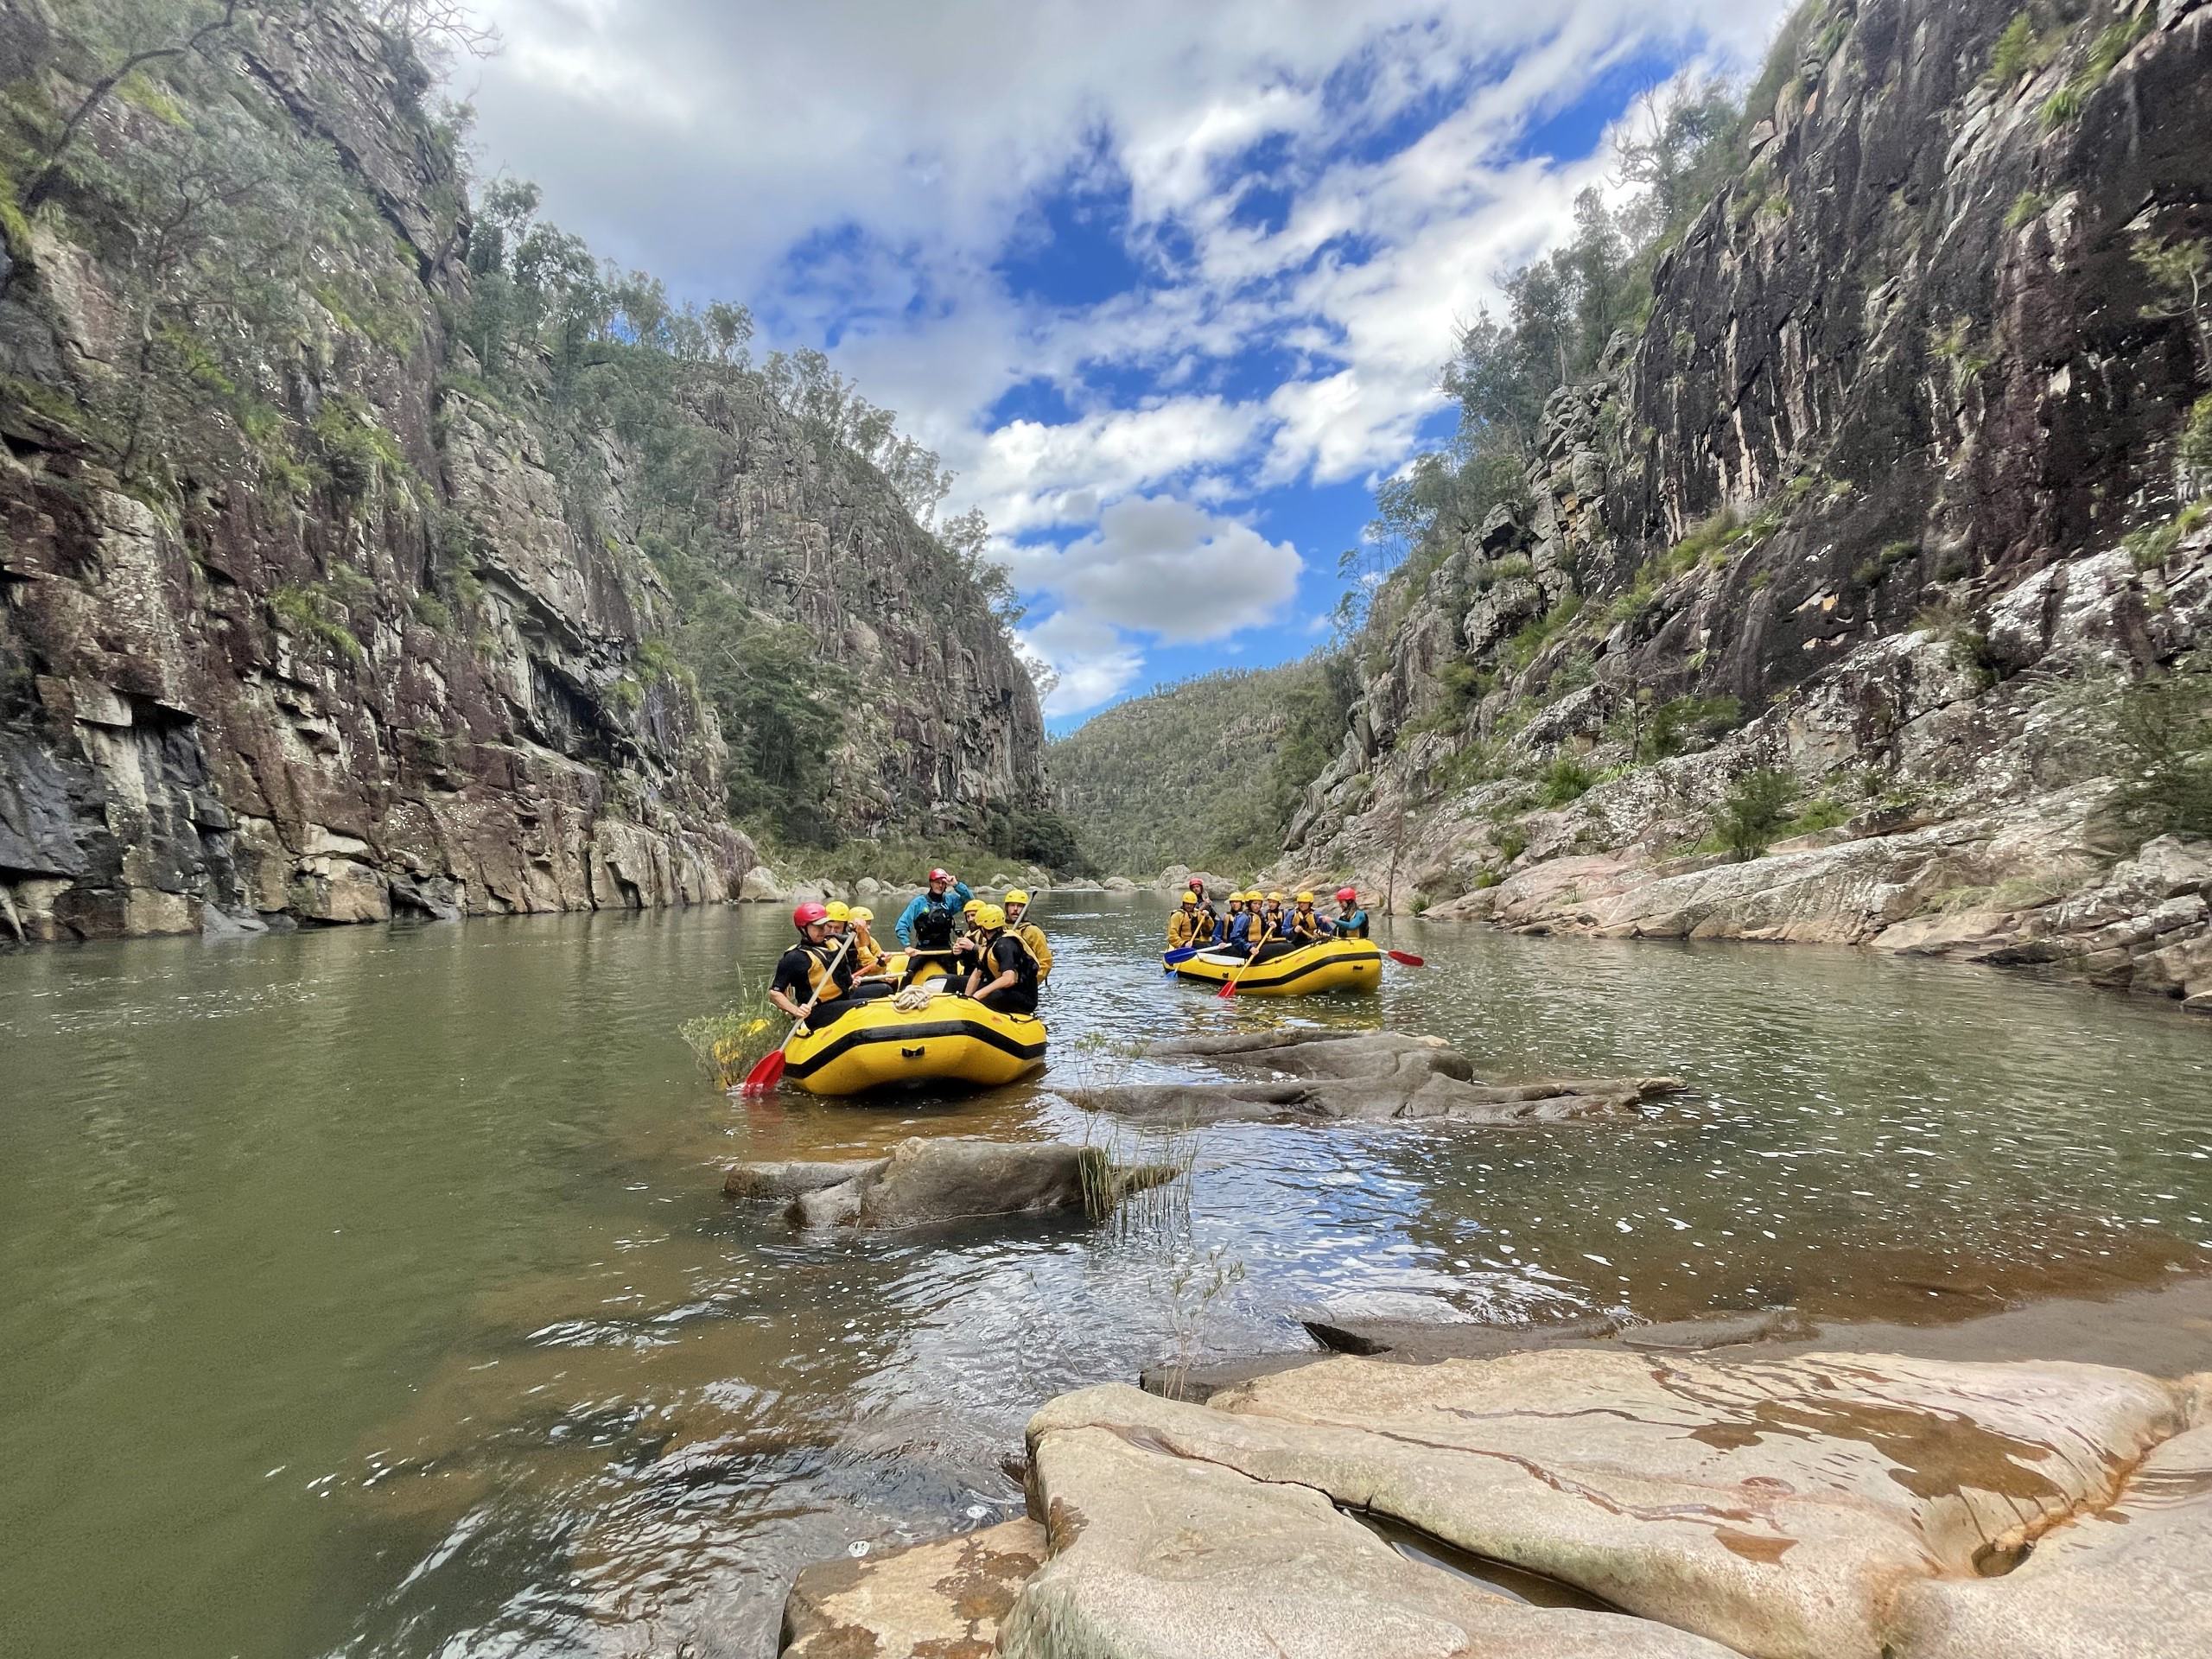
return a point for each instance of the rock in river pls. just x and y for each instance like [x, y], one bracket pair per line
[942, 1178]
[1325, 1076]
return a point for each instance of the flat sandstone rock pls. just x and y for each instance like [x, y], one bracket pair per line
[1361, 1077]
[1820, 1506]
[943, 1599]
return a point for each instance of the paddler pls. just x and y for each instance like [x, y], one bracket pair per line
[1011, 985]
[1182, 924]
[1350, 921]
[1209, 920]
[1018, 923]
[806, 982]
[1305, 927]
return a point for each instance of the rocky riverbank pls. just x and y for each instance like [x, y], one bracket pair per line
[1828, 1498]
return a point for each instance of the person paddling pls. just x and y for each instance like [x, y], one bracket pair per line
[1350, 921]
[815, 976]
[1182, 924]
[1012, 987]
[1018, 923]
[1207, 926]
[1303, 926]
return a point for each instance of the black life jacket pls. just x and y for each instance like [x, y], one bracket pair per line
[933, 929]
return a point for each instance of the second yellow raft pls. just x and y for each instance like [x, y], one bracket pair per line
[951, 1040]
[1330, 965]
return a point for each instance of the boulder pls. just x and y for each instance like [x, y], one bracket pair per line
[1118, 884]
[760, 886]
[944, 1597]
[928, 1180]
[1332, 1077]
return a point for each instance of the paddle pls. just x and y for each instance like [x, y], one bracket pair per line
[770, 1072]
[1229, 985]
[1406, 956]
[1170, 959]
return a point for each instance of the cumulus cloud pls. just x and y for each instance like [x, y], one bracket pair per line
[1163, 567]
[1091, 664]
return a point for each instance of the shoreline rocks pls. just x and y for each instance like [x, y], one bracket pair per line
[1363, 1076]
[1836, 1505]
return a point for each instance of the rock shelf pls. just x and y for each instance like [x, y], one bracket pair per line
[1824, 1506]
[929, 1180]
[1325, 1077]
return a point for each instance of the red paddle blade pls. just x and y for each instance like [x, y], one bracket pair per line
[1407, 958]
[763, 1077]
[1228, 989]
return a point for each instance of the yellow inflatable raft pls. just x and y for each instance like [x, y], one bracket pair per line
[951, 1040]
[1330, 965]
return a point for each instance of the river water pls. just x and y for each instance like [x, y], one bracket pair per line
[369, 1292]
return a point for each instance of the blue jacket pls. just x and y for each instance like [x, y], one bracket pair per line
[1353, 926]
[954, 896]
[1239, 928]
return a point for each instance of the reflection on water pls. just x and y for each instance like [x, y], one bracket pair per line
[369, 1292]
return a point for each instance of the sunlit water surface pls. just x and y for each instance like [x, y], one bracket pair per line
[370, 1292]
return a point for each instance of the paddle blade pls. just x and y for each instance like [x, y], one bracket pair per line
[1173, 957]
[1407, 958]
[1227, 990]
[763, 1077]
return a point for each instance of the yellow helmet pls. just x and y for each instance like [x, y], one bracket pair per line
[989, 918]
[1275, 897]
[1015, 896]
[862, 913]
[971, 907]
[839, 912]
[1190, 898]
[1305, 898]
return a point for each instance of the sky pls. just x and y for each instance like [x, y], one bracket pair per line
[1167, 285]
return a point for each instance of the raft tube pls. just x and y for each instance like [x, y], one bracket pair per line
[1330, 965]
[951, 1040]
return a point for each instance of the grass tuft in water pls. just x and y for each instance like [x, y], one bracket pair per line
[730, 1043]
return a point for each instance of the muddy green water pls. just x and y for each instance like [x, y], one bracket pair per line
[369, 1292]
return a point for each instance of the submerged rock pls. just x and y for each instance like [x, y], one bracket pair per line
[1326, 1076]
[944, 1178]
[945, 1597]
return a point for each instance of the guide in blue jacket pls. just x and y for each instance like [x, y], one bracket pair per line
[927, 923]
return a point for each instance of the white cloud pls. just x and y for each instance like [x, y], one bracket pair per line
[1160, 566]
[1093, 663]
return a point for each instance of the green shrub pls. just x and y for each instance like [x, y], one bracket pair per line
[1486, 878]
[2020, 48]
[1511, 841]
[2026, 206]
[2151, 548]
[432, 612]
[2193, 450]
[312, 611]
[1525, 645]
[1825, 813]
[1567, 779]
[2163, 726]
[1751, 817]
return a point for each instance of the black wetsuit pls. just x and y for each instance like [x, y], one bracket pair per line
[1008, 953]
[804, 966]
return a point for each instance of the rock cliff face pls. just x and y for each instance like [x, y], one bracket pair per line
[301, 620]
[1890, 493]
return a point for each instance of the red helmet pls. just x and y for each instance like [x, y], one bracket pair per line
[1347, 895]
[940, 875]
[809, 913]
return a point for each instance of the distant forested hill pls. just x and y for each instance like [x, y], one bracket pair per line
[1206, 773]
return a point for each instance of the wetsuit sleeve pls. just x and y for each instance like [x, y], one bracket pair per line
[959, 895]
[903, 927]
[1033, 936]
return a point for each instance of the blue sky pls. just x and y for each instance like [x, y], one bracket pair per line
[1167, 285]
